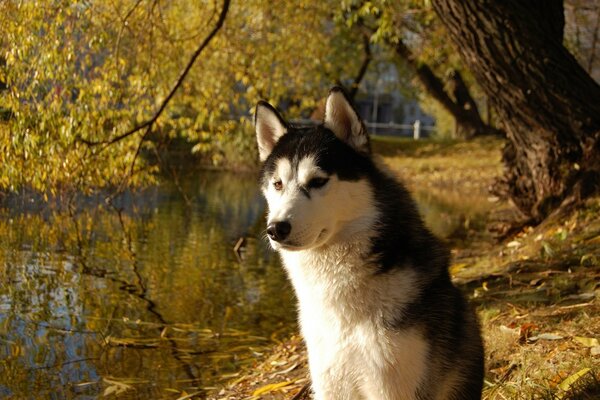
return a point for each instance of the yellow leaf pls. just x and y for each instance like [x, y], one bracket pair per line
[271, 387]
[456, 268]
[586, 341]
[566, 385]
[594, 240]
[110, 390]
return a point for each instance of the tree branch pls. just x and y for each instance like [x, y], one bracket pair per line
[463, 108]
[148, 124]
[431, 83]
[363, 68]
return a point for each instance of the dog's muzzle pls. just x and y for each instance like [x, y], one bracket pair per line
[279, 231]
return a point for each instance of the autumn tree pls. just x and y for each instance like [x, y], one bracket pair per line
[82, 77]
[548, 104]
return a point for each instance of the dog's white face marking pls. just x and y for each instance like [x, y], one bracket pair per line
[307, 170]
[318, 206]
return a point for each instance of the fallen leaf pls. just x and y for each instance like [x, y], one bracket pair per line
[594, 240]
[285, 371]
[580, 296]
[549, 251]
[85, 383]
[546, 336]
[566, 385]
[586, 341]
[186, 396]
[110, 390]
[526, 330]
[588, 260]
[510, 331]
[271, 387]
[534, 282]
[456, 268]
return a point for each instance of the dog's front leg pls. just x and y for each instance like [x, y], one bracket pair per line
[395, 366]
[332, 384]
[332, 375]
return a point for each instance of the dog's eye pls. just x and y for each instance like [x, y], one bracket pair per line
[278, 185]
[316, 183]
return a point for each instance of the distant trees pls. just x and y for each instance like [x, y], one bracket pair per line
[410, 32]
[547, 103]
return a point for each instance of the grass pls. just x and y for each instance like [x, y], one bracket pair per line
[536, 292]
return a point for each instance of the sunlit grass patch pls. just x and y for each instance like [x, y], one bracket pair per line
[465, 167]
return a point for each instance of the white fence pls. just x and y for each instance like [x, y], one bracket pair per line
[416, 130]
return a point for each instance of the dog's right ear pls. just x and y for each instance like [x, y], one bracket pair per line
[343, 120]
[269, 126]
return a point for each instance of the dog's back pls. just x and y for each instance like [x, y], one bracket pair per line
[437, 310]
[378, 311]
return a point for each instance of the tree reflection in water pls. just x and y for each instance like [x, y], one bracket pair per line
[143, 298]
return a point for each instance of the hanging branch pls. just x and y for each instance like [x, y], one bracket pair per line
[363, 67]
[149, 123]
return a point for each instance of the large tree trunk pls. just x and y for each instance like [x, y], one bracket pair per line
[548, 104]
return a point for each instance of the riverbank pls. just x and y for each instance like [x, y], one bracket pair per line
[536, 292]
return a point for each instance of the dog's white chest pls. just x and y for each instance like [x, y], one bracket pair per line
[342, 312]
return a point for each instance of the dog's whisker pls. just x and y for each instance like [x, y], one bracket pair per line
[263, 236]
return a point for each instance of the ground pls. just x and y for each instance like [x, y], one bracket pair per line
[535, 288]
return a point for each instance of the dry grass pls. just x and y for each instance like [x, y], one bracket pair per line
[536, 293]
[465, 167]
[281, 375]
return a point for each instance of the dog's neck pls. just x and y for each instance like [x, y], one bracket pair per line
[337, 266]
[339, 277]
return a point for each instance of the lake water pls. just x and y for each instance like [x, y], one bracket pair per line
[146, 299]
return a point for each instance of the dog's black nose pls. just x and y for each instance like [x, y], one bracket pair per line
[278, 231]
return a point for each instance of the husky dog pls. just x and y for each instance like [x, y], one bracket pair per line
[379, 314]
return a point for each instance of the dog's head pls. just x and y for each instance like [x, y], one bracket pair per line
[314, 178]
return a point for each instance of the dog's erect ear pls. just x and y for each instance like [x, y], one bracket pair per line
[269, 128]
[344, 122]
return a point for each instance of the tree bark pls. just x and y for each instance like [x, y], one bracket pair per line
[462, 106]
[549, 106]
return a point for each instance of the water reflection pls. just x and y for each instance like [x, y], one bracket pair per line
[146, 299]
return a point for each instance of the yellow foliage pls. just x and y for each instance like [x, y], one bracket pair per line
[90, 72]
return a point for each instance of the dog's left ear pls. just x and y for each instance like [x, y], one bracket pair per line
[344, 122]
[269, 126]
